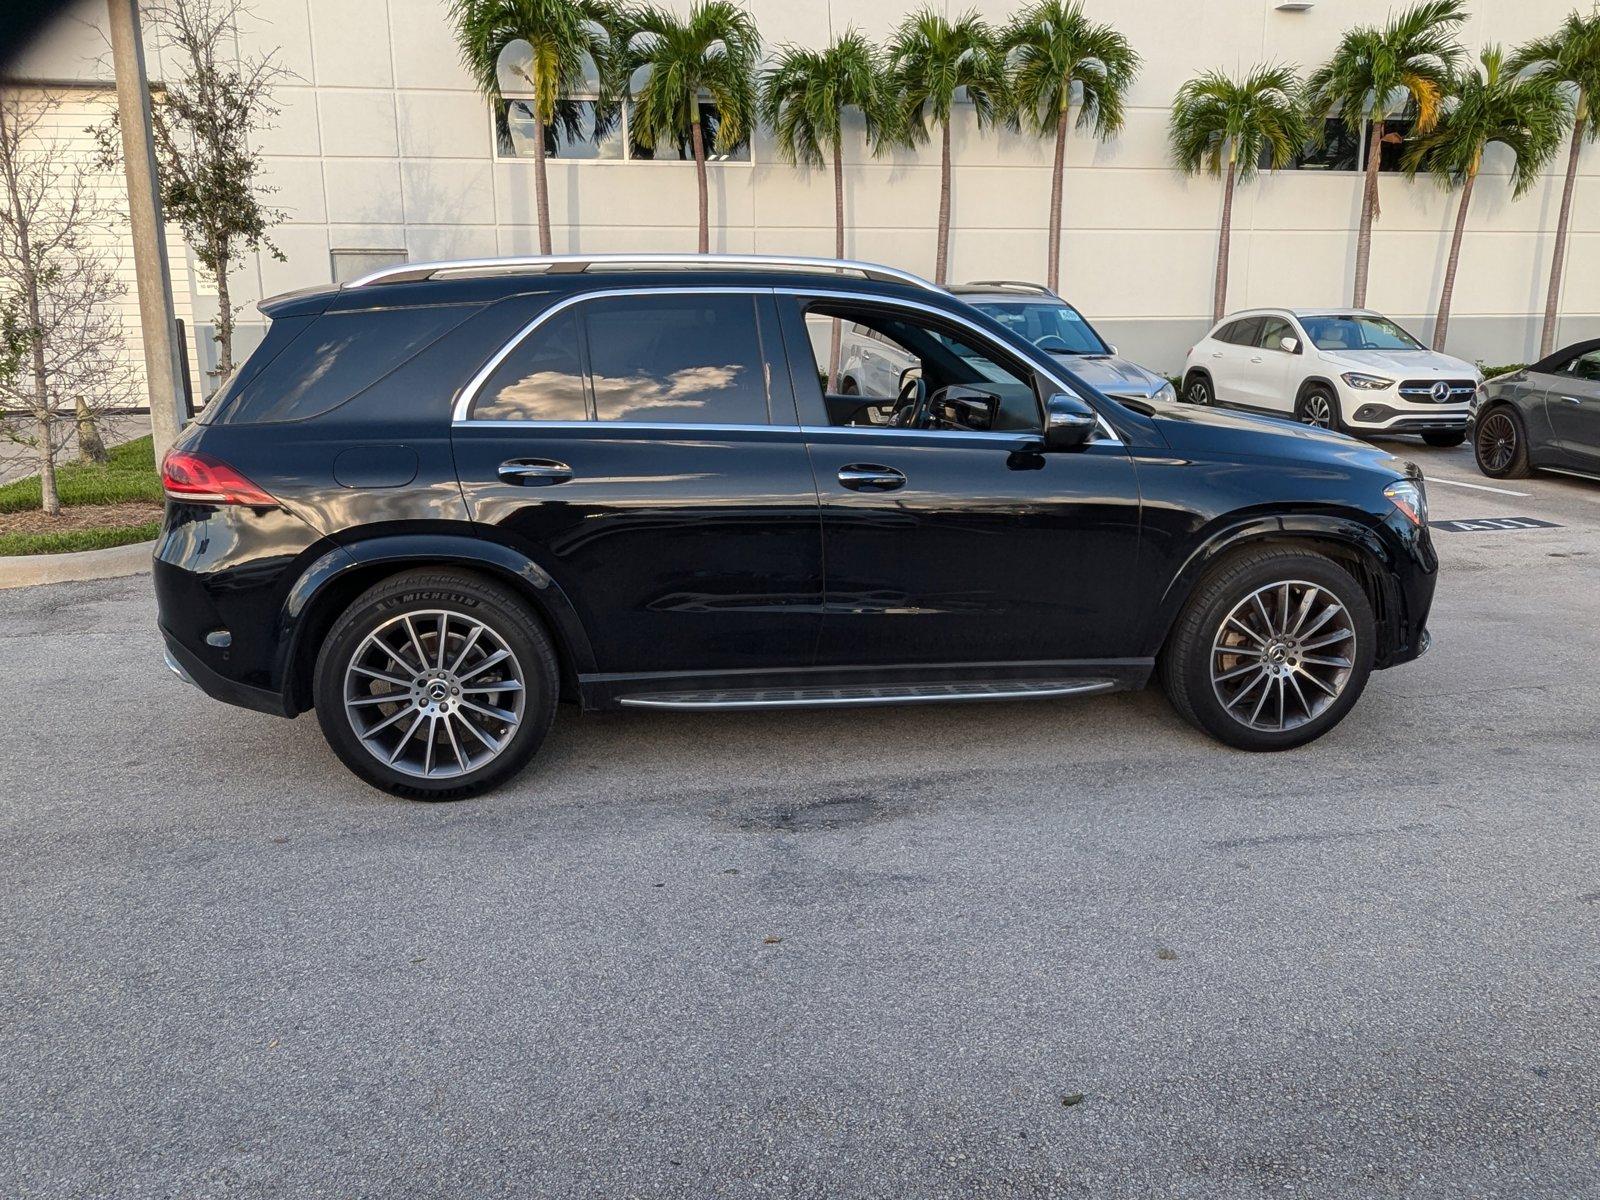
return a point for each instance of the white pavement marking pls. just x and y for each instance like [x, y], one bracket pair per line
[1477, 487]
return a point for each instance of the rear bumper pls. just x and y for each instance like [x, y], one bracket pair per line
[188, 667]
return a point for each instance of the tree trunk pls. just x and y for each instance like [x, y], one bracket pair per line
[91, 447]
[1057, 186]
[838, 252]
[699, 141]
[1369, 212]
[1219, 299]
[49, 497]
[1552, 302]
[1441, 324]
[942, 254]
[541, 186]
[224, 321]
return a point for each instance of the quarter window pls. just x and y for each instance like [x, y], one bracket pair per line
[541, 380]
[687, 358]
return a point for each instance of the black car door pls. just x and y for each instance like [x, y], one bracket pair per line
[946, 544]
[633, 444]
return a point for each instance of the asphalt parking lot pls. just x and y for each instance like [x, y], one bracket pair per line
[1059, 949]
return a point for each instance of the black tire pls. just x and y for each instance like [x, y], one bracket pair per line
[1308, 412]
[1197, 389]
[1500, 443]
[1445, 440]
[471, 598]
[1186, 659]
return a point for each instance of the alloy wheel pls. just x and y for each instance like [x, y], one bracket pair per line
[1496, 441]
[434, 694]
[1197, 393]
[1317, 411]
[1283, 655]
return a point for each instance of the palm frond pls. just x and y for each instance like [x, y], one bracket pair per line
[1217, 120]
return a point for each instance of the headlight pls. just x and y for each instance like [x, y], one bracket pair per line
[1168, 393]
[1407, 495]
[1367, 383]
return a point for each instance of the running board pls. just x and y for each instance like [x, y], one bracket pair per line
[841, 697]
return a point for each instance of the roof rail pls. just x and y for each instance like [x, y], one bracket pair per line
[572, 264]
[1020, 284]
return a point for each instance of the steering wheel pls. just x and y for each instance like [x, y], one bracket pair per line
[1052, 344]
[911, 405]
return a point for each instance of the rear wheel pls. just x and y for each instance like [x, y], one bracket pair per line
[1319, 408]
[1445, 440]
[1500, 444]
[1271, 651]
[436, 685]
[1197, 388]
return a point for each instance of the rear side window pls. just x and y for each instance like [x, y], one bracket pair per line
[337, 356]
[694, 359]
[540, 380]
[1241, 332]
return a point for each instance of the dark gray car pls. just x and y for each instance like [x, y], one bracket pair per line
[1544, 417]
[1036, 313]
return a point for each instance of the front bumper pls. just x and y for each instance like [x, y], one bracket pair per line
[1374, 416]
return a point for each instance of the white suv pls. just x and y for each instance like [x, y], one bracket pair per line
[1338, 368]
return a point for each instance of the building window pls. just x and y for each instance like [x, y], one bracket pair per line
[583, 129]
[353, 264]
[1344, 148]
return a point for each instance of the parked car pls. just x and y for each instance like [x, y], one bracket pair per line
[439, 498]
[1350, 370]
[1543, 417]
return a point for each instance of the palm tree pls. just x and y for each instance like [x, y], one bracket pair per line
[1218, 121]
[1570, 59]
[931, 58]
[803, 97]
[712, 53]
[1050, 46]
[561, 34]
[1491, 104]
[1376, 74]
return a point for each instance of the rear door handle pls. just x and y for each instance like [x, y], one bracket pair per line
[534, 472]
[1216, 354]
[869, 477]
[1258, 358]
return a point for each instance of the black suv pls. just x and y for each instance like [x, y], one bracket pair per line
[439, 499]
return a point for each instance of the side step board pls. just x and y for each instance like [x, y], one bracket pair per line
[841, 697]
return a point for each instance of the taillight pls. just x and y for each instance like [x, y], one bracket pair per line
[202, 479]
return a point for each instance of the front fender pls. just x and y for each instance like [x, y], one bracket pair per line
[329, 583]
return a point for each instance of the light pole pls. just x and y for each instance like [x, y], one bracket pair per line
[162, 364]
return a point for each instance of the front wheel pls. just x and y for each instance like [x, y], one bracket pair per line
[1272, 650]
[436, 685]
[1445, 440]
[1319, 408]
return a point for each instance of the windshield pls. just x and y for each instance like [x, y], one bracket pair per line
[1051, 326]
[1353, 332]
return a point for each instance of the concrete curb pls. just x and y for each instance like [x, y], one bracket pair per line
[26, 570]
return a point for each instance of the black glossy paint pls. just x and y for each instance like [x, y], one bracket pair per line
[663, 557]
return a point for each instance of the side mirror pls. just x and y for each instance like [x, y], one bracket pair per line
[961, 407]
[1291, 345]
[1111, 350]
[1068, 422]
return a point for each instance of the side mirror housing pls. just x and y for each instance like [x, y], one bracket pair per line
[1068, 422]
[1292, 345]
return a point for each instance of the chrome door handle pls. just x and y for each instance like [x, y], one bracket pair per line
[1572, 399]
[1216, 354]
[534, 472]
[869, 477]
[1258, 358]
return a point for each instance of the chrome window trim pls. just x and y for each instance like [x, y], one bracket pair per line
[463, 405]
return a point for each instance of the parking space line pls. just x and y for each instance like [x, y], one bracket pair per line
[1477, 487]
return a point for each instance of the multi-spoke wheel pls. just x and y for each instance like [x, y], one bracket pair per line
[1197, 388]
[1282, 655]
[1500, 445]
[1272, 650]
[1319, 408]
[435, 685]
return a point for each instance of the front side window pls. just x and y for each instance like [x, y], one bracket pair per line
[1054, 328]
[680, 358]
[1585, 366]
[1356, 331]
[921, 374]
[1273, 331]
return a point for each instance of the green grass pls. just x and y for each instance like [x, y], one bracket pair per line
[76, 539]
[130, 475]
[1491, 372]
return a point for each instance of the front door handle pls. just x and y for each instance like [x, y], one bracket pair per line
[1258, 358]
[534, 472]
[1572, 399]
[869, 477]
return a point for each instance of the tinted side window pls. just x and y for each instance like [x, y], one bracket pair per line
[687, 358]
[339, 355]
[1585, 366]
[541, 380]
[1243, 331]
[1225, 333]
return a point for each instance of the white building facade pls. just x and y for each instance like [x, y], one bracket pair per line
[385, 151]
